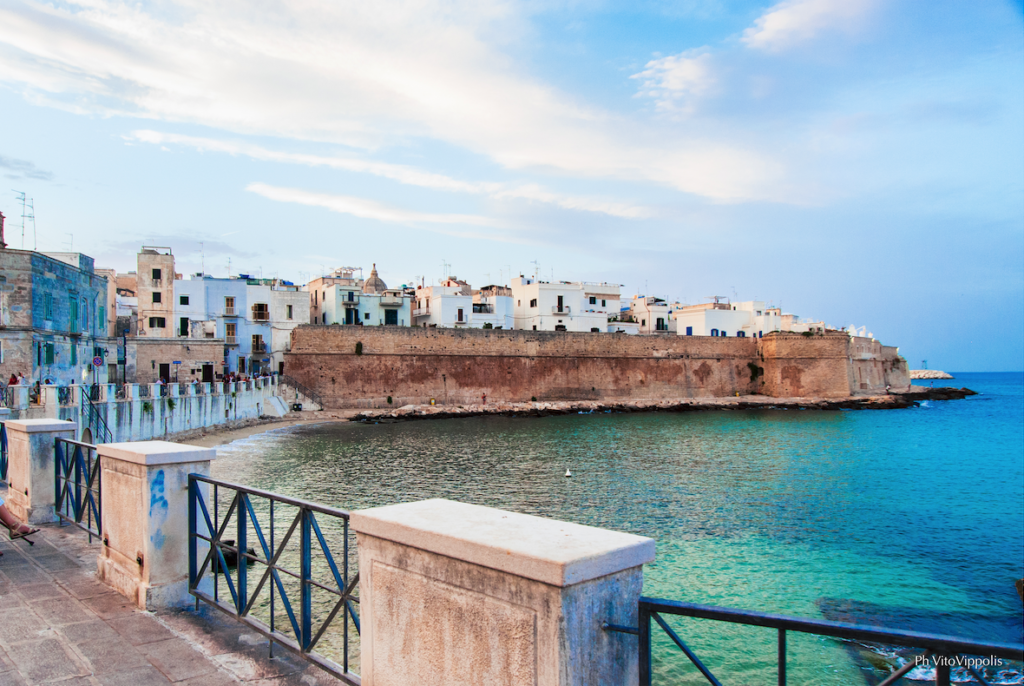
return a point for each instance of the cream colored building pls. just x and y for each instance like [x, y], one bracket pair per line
[752, 318]
[453, 303]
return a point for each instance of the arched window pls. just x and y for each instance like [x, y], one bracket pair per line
[741, 334]
[714, 332]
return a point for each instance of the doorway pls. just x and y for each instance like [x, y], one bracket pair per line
[207, 373]
[165, 372]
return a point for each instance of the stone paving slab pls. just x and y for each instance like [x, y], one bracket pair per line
[59, 625]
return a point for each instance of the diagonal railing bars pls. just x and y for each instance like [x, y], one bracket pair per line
[943, 651]
[302, 389]
[211, 556]
[77, 485]
[95, 420]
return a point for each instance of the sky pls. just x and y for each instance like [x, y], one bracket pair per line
[860, 163]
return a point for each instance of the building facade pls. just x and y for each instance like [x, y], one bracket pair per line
[744, 319]
[343, 299]
[454, 303]
[563, 305]
[54, 323]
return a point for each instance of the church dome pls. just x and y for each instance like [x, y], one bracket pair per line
[374, 284]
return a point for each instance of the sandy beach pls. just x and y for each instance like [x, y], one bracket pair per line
[213, 437]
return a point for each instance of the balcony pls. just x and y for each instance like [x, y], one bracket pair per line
[421, 312]
[354, 302]
[391, 301]
[230, 312]
[259, 347]
[261, 316]
[231, 340]
[564, 310]
[481, 308]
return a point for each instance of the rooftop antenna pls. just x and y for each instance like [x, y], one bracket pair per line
[71, 243]
[21, 196]
[444, 266]
[32, 216]
[536, 268]
[229, 267]
[202, 253]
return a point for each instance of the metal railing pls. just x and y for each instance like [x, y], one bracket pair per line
[268, 563]
[564, 309]
[143, 389]
[199, 388]
[3, 452]
[231, 340]
[7, 398]
[65, 395]
[76, 482]
[94, 419]
[942, 651]
[162, 390]
[302, 389]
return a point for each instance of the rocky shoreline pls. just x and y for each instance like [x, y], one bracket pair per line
[751, 402]
[928, 374]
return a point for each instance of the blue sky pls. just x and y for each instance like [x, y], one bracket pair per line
[857, 162]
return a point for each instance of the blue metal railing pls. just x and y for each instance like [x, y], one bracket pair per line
[3, 452]
[77, 485]
[95, 420]
[213, 563]
[943, 652]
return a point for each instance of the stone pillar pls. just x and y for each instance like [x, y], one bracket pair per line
[30, 464]
[145, 519]
[51, 401]
[452, 593]
[21, 397]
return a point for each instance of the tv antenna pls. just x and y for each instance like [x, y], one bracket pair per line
[20, 195]
[445, 265]
[536, 268]
[71, 242]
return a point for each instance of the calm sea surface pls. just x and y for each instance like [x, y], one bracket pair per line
[906, 518]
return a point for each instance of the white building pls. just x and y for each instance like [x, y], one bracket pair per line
[563, 305]
[347, 300]
[454, 303]
[744, 319]
[649, 314]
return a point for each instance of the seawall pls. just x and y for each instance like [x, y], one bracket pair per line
[355, 366]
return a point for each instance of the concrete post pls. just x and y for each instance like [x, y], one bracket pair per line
[131, 391]
[461, 594]
[51, 402]
[145, 519]
[21, 397]
[30, 466]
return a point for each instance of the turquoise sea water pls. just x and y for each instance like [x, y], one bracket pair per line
[907, 518]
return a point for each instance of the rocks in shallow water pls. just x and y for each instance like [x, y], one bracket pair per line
[929, 374]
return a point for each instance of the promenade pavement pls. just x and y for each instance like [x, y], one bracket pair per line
[59, 625]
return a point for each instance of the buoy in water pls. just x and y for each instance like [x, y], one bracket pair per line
[568, 473]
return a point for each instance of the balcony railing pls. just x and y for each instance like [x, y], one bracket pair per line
[260, 315]
[231, 340]
[391, 301]
[483, 309]
[230, 312]
[259, 347]
[564, 309]
[421, 312]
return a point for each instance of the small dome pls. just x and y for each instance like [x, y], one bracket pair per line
[374, 284]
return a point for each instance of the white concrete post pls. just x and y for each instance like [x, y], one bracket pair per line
[145, 519]
[30, 466]
[51, 407]
[131, 391]
[21, 397]
[452, 593]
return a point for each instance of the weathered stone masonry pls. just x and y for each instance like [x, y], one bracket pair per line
[353, 366]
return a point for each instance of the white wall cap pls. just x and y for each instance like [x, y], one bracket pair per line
[546, 550]
[156, 452]
[35, 426]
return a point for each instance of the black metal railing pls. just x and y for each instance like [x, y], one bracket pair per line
[77, 485]
[199, 388]
[942, 652]
[101, 432]
[3, 452]
[272, 564]
[7, 398]
[143, 389]
[302, 389]
[92, 392]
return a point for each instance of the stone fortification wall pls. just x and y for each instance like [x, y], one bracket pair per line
[874, 366]
[458, 366]
[796, 365]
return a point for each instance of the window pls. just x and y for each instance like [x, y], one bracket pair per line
[229, 332]
[289, 312]
[741, 334]
[533, 303]
[101, 319]
[157, 322]
[643, 322]
[689, 331]
[534, 327]
[391, 317]
[73, 326]
[560, 327]
[593, 300]
[48, 352]
[561, 305]
[604, 303]
[158, 297]
[261, 312]
[183, 300]
[660, 324]
[519, 303]
[367, 316]
[714, 332]
[257, 343]
[183, 326]
[74, 354]
[460, 315]
[316, 294]
[48, 306]
[594, 329]
[760, 334]
[156, 274]
[229, 304]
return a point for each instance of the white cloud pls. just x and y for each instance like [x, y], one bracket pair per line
[676, 82]
[354, 73]
[361, 207]
[796, 21]
[402, 174]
